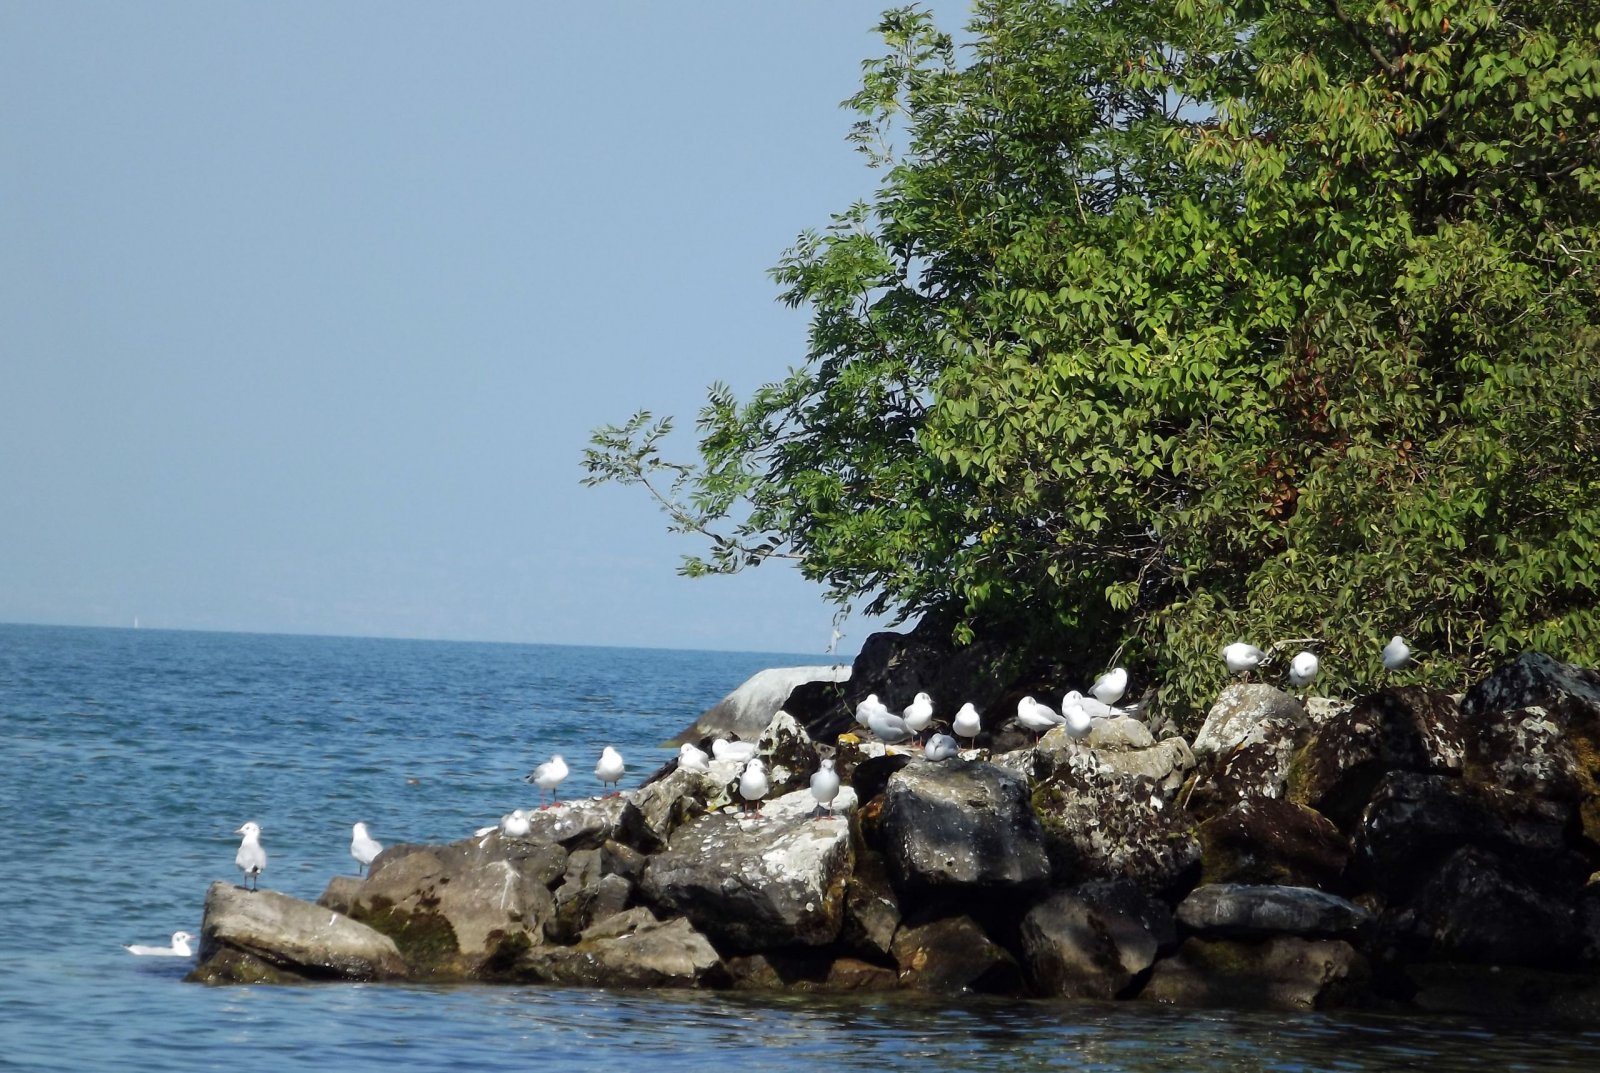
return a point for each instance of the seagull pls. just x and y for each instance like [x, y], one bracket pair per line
[1302, 669]
[179, 949]
[1109, 687]
[753, 785]
[363, 847]
[824, 787]
[548, 776]
[693, 758]
[869, 707]
[967, 724]
[1075, 713]
[940, 747]
[1037, 717]
[1242, 658]
[919, 713]
[251, 858]
[514, 824]
[888, 727]
[1097, 709]
[1396, 653]
[609, 769]
[738, 751]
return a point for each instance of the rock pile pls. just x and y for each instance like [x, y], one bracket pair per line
[1295, 856]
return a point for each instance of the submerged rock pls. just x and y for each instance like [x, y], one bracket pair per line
[267, 937]
[1285, 973]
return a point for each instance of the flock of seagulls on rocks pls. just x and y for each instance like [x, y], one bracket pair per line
[1077, 715]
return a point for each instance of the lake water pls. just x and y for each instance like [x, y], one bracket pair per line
[129, 758]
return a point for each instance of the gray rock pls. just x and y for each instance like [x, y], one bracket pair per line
[583, 823]
[647, 954]
[954, 954]
[652, 812]
[1285, 973]
[754, 883]
[789, 754]
[809, 973]
[265, 936]
[745, 712]
[1270, 840]
[871, 907]
[1257, 766]
[1093, 941]
[581, 905]
[1245, 911]
[961, 826]
[1237, 710]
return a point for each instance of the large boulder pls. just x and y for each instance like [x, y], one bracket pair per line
[960, 827]
[631, 949]
[1249, 911]
[788, 753]
[871, 907]
[1094, 941]
[745, 713]
[267, 937]
[580, 823]
[758, 882]
[1271, 840]
[459, 910]
[953, 954]
[1237, 711]
[651, 813]
[1284, 973]
[1257, 766]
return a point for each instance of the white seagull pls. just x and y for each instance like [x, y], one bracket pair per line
[1109, 687]
[1302, 669]
[919, 713]
[1076, 715]
[514, 824]
[549, 776]
[179, 949]
[869, 707]
[1037, 717]
[1097, 709]
[1396, 653]
[363, 847]
[888, 727]
[1242, 658]
[738, 751]
[251, 858]
[693, 758]
[967, 724]
[940, 747]
[609, 769]
[753, 785]
[824, 787]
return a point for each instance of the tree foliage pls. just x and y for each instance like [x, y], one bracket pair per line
[1172, 323]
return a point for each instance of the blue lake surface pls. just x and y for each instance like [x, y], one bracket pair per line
[129, 758]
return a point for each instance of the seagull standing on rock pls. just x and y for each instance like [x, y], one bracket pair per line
[1075, 714]
[1096, 708]
[1242, 658]
[967, 724]
[548, 776]
[1303, 669]
[824, 788]
[609, 769]
[753, 785]
[1109, 687]
[888, 727]
[869, 707]
[179, 949]
[363, 847]
[693, 758]
[1396, 653]
[919, 713]
[1036, 717]
[251, 858]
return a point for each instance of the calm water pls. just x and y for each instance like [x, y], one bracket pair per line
[131, 756]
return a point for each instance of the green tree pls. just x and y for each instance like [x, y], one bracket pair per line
[1172, 323]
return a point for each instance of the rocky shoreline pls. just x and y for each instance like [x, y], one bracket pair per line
[1407, 850]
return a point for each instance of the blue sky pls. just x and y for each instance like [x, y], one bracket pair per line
[308, 308]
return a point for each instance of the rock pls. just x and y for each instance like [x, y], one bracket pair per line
[745, 713]
[1246, 911]
[1285, 973]
[1237, 710]
[1270, 840]
[790, 756]
[577, 824]
[1119, 734]
[267, 937]
[871, 907]
[648, 954]
[1476, 908]
[1093, 941]
[1526, 752]
[815, 974]
[459, 910]
[651, 813]
[1101, 824]
[960, 826]
[1256, 767]
[953, 954]
[1401, 729]
[1534, 680]
[1121, 743]
[758, 883]
[580, 905]
[1499, 992]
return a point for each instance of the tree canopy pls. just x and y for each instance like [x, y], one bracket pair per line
[1174, 322]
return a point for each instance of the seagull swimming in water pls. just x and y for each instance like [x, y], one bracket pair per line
[940, 747]
[1109, 687]
[693, 758]
[967, 724]
[1396, 653]
[363, 847]
[549, 776]
[609, 769]
[251, 858]
[738, 751]
[1303, 669]
[824, 788]
[1242, 658]
[179, 949]
[753, 785]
